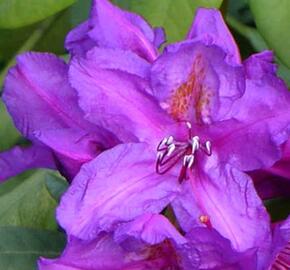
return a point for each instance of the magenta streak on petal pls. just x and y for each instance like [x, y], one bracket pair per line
[242, 128]
[119, 192]
[209, 22]
[113, 197]
[215, 206]
[67, 119]
[152, 53]
[136, 31]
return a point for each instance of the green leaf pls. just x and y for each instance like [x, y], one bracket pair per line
[79, 12]
[11, 40]
[250, 33]
[240, 10]
[56, 185]
[21, 247]
[273, 21]
[257, 43]
[28, 45]
[8, 133]
[26, 201]
[17, 13]
[284, 73]
[54, 38]
[175, 16]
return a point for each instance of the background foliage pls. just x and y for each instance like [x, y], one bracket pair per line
[27, 202]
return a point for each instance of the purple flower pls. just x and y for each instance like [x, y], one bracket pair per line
[51, 117]
[151, 242]
[209, 116]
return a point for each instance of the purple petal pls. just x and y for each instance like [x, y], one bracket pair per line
[72, 147]
[77, 41]
[111, 27]
[194, 83]
[117, 101]
[72, 143]
[206, 249]
[262, 119]
[270, 186]
[281, 168]
[115, 28]
[186, 209]
[226, 200]
[100, 254]
[159, 36]
[116, 59]
[124, 174]
[103, 253]
[275, 181]
[39, 81]
[150, 228]
[280, 253]
[18, 160]
[209, 23]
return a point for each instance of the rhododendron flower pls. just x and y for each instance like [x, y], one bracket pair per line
[198, 108]
[201, 109]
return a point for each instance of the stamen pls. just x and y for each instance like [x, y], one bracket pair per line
[195, 144]
[170, 140]
[208, 147]
[188, 161]
[165, 163]
[171, 149]
[169, 152]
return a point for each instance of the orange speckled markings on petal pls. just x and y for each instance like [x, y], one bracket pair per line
[191, 100]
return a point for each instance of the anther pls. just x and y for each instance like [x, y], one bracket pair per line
[170, 149]
[170, 140]
[195, 144]
[164, 142]
[190, 161]
[208, 147]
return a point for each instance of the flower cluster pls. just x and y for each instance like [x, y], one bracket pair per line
[158, 147]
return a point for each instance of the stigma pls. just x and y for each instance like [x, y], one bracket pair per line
[170, 152]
